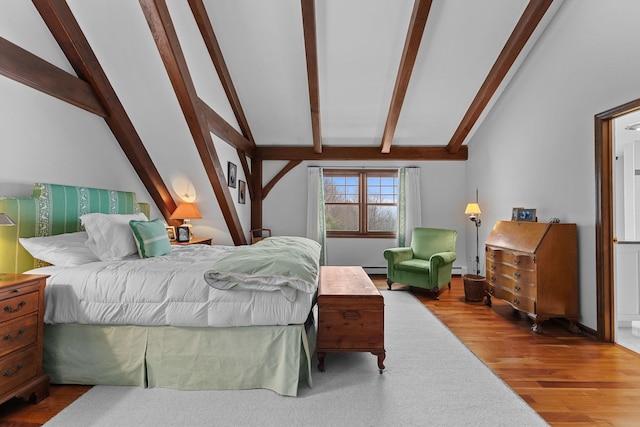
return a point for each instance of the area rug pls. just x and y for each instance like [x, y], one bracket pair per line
[431, 379]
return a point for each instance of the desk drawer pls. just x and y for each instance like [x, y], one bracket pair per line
[517, 301]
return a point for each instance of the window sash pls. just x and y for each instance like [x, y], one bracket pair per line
[377, 190]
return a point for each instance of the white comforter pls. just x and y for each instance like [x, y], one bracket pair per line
[167, 290]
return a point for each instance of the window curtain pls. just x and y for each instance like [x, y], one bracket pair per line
[409, 204]
[315, 210]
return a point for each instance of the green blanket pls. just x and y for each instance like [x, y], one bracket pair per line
[284, 263]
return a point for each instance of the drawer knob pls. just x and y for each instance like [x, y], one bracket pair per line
[10, 309]
[516, 301]
[8, 337]
[516, 261]
[493, 266]
[493, 278]
[493, 255]
[517, 274]
[8, 373]
[517, 288]
[351, 315]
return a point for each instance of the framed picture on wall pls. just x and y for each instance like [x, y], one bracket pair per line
[242, 190]
[232, 174]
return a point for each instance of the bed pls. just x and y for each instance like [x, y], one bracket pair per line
[193, 323]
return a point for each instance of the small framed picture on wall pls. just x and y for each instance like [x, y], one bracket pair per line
[242, 192]
[232, 174]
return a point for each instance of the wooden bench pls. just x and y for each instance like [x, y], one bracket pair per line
[350, 314]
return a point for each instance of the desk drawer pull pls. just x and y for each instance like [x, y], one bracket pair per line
[516, 301]
[10, 309]
[517, 288]
[516, 261]
[517, 274]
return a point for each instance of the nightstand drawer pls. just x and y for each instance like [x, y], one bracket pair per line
[18, 333]
[19, 368]
[19, 305]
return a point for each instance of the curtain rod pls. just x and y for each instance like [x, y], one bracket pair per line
[363, 167]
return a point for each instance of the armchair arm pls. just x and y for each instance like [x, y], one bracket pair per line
[442, 258]
[396, 255]
[440, 265]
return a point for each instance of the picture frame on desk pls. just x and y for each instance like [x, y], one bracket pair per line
[183, 233]
[514, 213]
[171, 232]
[528, 215]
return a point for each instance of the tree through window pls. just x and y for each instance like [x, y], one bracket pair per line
[361, 203]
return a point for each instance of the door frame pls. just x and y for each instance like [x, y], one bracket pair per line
[605, 284]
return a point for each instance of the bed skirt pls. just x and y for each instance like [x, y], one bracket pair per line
[277, 358]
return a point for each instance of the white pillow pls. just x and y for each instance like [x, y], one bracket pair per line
[63, 250]
[110, 237]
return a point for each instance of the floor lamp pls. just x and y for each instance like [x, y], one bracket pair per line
[473, 210]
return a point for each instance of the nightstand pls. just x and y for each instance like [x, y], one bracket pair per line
[22, 330]
[194, 241]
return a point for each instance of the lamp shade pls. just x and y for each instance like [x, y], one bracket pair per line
[472, 209]
[186, 211]
[5, 220]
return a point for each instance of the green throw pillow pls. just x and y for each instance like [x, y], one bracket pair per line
[151, 237]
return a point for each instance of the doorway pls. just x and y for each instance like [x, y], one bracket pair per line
[605, 234]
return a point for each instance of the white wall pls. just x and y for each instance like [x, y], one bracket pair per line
[48, 140]
[536, 148]
[443, 203]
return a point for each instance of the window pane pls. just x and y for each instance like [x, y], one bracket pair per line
[341, 217]
[341, 189]
[382, 218]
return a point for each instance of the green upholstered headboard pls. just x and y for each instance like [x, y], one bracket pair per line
[54, 209]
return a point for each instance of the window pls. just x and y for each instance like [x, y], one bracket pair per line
[361, 203]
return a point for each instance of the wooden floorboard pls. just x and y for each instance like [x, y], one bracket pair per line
[569, 379]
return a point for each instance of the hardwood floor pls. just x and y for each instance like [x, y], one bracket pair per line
[568, 379]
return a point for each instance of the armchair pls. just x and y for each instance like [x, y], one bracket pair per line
[427, 263]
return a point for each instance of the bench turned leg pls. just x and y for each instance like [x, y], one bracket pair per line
[381, 355]
[321, 361]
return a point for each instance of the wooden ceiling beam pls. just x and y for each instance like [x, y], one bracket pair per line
[311, 51]
[358, 153]
[417, 25]
[166, 39]
[24, 67]
[211, 42]
[65, 29]
[247, 145]
[526, 25]
[223, 130]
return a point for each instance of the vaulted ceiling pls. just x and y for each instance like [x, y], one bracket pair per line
[278, 80]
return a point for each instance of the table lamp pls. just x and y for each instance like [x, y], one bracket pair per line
[186, 212]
